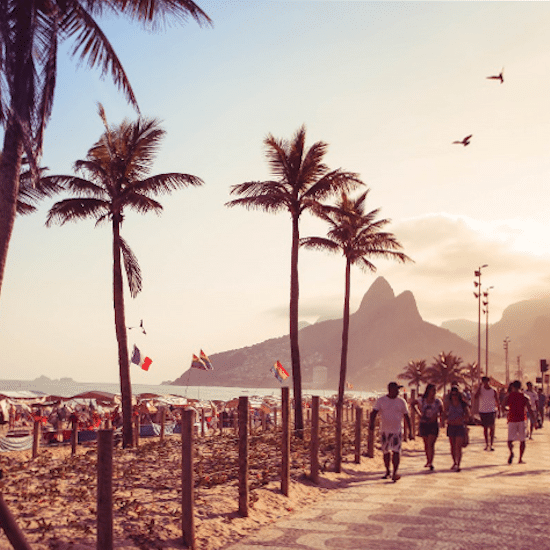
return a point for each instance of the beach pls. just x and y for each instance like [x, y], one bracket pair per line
[53, 497]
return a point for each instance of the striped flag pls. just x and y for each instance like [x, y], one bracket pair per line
[197, 363]
[140, 360]
[279, 372]
[206, 361]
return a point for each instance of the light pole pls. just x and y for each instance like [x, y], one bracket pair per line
[486, 311]
[477, 286]
[506, 365]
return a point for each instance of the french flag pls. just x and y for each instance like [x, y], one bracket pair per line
[140, 360]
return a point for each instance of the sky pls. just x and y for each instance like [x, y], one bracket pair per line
[388, 85]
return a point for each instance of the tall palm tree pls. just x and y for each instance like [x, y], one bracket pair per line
[300, 180]
[30, 33]
[415, 373]
[358, 236]
[118, 168]
[445, 369]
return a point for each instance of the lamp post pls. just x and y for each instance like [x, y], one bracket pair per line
[486, 311]
[477, 286]
[506, 365]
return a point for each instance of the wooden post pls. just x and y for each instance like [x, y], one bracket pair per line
[74, 436]
[262, 416]
[285, 461]
[338, 437]
[36, 433]
[308, 416]
[243, 455]
[202, 422]
[136, 431]
[275, 416]
[314, 444]
[11, 529]
[162, 423]
[187, 483]
[358, 423]
[413, 414]
[105, 490]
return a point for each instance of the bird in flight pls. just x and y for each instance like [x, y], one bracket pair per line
[497, 77]
[140, 326]
[465, 141]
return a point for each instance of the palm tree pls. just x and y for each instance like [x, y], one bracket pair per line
[358, 236]
[118, 168]
[300, 179]
[445, 369]
[30, 33]
[415, 373]
[470, 372]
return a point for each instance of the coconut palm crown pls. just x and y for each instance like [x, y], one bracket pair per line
[300, 180]
[358, 236]
[415, 373]
[31, 32]
[117, 169]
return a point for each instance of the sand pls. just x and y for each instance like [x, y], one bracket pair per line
[53, 497]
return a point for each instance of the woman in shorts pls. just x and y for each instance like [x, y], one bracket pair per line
[457, 414]
[429, 408]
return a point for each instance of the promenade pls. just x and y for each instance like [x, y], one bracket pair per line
[488, 505]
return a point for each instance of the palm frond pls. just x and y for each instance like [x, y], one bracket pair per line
[164, 184]
[320, 243]
[94, 47]
[70, 210]
[131, 266]
[142, 204]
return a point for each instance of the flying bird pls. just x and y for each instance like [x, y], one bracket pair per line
[465, 141]
[140, 326]
[497, 77]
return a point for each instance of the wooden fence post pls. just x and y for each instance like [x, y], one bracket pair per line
[358, 424]
[187, 482]
[105, 490]
[314, 443]
[74, 436]
[285, 461]
[202, 422]
[162, 423]
[243, 455]
[36, 433]
[11, 529]
[275, 416]
[136, 431]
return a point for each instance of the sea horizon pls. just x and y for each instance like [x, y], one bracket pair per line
[67, 387]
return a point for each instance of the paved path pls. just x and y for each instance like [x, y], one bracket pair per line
[489, 505]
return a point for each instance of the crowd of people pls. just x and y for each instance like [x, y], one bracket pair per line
[456, 411]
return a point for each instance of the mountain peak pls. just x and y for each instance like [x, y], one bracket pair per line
[377, 296]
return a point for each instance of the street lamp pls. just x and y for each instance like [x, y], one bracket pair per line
[506, 343]
[477, 286]
[486, 311]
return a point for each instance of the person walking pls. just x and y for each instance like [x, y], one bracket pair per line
[541, 403]
[429, 408]
[489, 404]
[517, 404]
[393, 409]
[533, 398]
[457, 414]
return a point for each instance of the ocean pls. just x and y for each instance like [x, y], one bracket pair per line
[66, 387]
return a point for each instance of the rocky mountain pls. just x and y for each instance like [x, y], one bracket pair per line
[463, 328]
[386, 332]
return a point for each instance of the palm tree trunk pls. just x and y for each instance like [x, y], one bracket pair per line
[121, 337]
[10, 167]
[294, 346]
[343, 369]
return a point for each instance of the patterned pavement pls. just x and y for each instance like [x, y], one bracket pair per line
[488, 505]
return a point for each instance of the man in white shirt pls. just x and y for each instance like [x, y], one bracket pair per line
[393, 409]
[488, 407]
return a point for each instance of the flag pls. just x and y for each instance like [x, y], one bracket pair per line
[349, 385]
[206, 361]
[279, 371]
[197, 363]
[140, 360]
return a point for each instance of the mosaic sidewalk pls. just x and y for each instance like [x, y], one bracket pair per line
[488, 505]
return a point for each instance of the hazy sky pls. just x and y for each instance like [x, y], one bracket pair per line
[388, 85]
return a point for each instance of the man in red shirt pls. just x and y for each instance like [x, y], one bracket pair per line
[517, 404]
